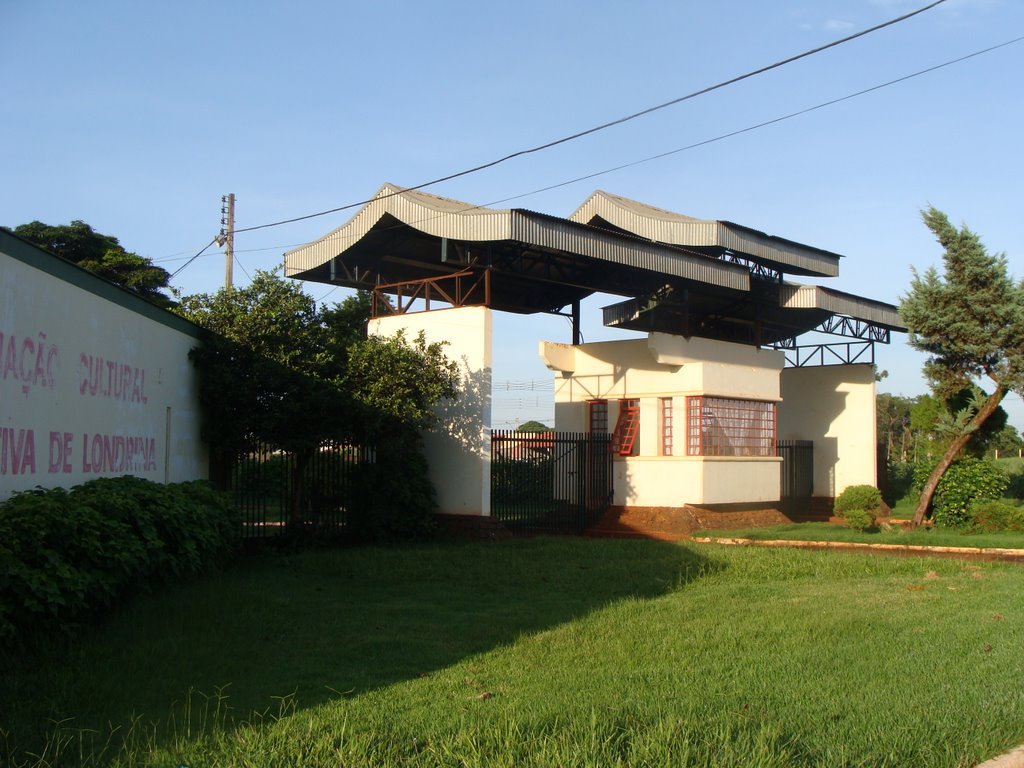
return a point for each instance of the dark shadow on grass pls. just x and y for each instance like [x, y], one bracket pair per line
[328, 624]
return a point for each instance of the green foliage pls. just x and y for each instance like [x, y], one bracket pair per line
[995, 516]
[970, 320]
[102, 254]
[967, 481]
[859, 505]
[900, 481]
[67, 553]
[860, 519]
[277, 368]
[862, 497]
[533, 427]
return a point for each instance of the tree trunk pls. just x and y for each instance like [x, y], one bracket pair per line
[986, 410]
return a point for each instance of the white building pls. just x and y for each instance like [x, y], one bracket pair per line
[700, 410]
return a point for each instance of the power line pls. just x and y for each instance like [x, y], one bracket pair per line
[660, 155]
[612, 123]
[198, 254]
[702, 143]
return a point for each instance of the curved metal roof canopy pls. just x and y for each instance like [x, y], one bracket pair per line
[681, 275]
[537, 263]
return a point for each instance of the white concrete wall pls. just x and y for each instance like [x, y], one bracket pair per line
[92, 383]
[834, 406]
[458, 447]
[668, 366]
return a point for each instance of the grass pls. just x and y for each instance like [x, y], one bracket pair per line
[543, 652]
[933, 537]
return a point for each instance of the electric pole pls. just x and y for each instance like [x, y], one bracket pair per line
[227, 234]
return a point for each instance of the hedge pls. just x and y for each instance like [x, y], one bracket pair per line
[66, 554]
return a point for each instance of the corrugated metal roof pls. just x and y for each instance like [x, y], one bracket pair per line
[443, 217]
[438, 216]
[796, 296]
[663, 226]
[570, 237]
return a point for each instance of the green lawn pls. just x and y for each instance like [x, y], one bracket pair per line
[934, 537]
[542, 652]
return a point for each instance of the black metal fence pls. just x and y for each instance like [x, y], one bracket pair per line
[550, 482]
[262, 483]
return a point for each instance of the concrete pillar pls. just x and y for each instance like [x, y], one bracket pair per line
[458, 447]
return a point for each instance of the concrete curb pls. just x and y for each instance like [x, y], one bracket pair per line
[1012, 759]
[968, 553]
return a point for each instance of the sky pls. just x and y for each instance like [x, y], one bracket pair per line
[138, 117]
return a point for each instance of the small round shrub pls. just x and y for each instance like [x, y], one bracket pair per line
[860, 519]
[860, 505]
[865, 497]
[995, 516]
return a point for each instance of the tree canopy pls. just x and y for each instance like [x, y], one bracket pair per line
[102, 254]
[970, 321]
[275, 367]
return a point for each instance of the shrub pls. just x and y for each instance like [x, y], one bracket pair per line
[967, 481]
[865, 497]
[860, 519]
[859, 505]
[995, 516]
[65, 553]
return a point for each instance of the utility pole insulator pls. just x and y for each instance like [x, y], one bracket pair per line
[227, 235]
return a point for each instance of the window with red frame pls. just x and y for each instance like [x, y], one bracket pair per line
[598, 415]
[721, 426]
[627, 428]
[666, 426]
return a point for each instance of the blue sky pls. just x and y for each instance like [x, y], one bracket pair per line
[137, 117]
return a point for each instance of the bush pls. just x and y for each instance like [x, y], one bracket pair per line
[995, 516]
[65, 553]
[865, 497]
[860, 505]
[966, 482]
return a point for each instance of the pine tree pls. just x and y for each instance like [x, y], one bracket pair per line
[970, 321]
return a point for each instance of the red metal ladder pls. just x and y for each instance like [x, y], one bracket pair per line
[626, 428]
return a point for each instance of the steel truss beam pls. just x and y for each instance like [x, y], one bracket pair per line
[816, 355]
[756, 269]
[461, 289]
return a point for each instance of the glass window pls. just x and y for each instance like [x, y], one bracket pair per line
[598, 415]
[720, 426]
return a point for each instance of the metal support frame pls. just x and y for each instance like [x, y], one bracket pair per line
[816, 355]
[841, 325]
[461, 289]
[756, 269]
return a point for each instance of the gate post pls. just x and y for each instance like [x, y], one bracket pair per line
[458, 447]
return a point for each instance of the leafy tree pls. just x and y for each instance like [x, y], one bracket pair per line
[1006, 442]
[892, 413]
[275, 367]
[102, 254]
[397, 383]
[268, 371]
[970, 320]
[533, 426]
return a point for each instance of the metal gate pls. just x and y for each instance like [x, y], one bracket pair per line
[797, 473]
[261, 483]
[550, 482]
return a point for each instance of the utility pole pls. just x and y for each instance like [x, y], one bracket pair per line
[227, 234]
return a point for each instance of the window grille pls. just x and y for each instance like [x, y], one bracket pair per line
[598, 415]
[719, 426]
[666, 426]
[627, 428]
